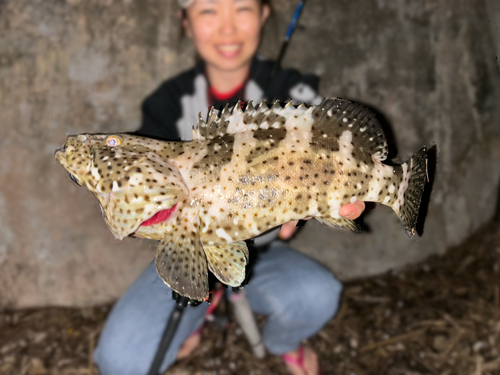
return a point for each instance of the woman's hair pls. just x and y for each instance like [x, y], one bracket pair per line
[182, 32]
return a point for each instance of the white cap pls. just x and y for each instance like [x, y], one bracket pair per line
[185, 3]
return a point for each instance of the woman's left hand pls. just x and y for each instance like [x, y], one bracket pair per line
[349, 211]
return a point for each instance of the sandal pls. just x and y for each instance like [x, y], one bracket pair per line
[297, 361]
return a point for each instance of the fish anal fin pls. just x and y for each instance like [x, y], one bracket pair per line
[227, 262]
[181, 262]
[350, 225]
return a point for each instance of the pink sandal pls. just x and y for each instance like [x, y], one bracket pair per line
[297, 361]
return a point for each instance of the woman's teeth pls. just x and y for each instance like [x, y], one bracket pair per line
[229, 47]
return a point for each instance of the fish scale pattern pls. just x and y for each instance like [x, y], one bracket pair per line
[245, 171]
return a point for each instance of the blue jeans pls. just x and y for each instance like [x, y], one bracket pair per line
[297, 294]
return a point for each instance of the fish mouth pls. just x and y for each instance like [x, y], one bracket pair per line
[159, 217]
[60, 154]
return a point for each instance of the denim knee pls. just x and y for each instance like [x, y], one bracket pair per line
[298, 287]
[318, 297]
[111, 359]
[299, 296]
[323, 293]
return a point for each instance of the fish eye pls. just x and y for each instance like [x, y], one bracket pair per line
[74, 179]
[113, 141]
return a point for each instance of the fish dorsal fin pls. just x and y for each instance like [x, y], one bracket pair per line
[181, 261]
[333, 115]
[199, 130]
[350, 225]
[227, 262]
[236, 120]
[340, 115]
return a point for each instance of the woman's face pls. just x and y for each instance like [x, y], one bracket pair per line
[226, 33]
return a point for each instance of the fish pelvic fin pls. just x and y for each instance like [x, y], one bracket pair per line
[350, 225]
[228, 262]
[414, 174]
[181, 262]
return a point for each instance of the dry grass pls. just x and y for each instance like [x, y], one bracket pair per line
[439, 317]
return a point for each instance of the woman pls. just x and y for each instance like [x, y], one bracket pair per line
[297, 294]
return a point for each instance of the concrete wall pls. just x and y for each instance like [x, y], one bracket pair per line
[428, 67]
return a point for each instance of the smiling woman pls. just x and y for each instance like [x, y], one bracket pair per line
[297, 294]
[226, 34]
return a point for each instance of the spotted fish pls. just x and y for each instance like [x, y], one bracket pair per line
[244, 172]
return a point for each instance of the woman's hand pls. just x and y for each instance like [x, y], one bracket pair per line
[352, 211]
[349, 211]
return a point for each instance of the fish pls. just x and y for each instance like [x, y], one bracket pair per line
[248, 169]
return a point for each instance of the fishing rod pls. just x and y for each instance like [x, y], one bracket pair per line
[288, 36]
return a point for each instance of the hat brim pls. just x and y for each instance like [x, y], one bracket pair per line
[185, 3]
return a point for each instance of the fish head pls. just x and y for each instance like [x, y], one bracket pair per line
[134, 185]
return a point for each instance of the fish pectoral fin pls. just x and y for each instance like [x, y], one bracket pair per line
[340, 223]
[182, 264]
[227, 262]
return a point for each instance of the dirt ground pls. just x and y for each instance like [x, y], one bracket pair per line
[438, 317]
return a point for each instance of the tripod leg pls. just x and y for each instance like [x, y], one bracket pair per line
[166, 339]
[246, 319]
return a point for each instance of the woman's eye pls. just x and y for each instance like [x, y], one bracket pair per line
[207, 11]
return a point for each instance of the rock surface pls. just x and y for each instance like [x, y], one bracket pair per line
[429, 68]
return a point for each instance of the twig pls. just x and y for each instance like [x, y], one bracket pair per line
[437, 322]
[76, 371]
[398, 371]
[452, 321]
[460, 331]
[91, 351]
[454, 341]
[492, 365]
[467, 261]
[370, 299]
[479, 365]
[325, 336]
[497, 296]
[392, 340]
[340, 315]
[422, 363]
[91, 337]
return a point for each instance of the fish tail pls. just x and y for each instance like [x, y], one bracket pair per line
[414, 176]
